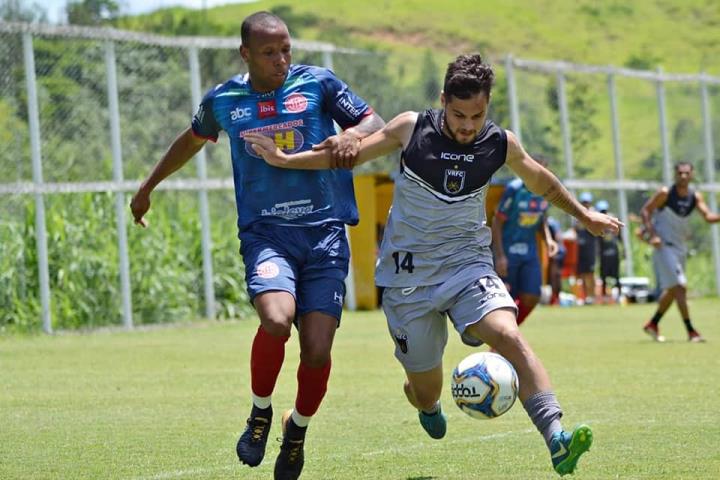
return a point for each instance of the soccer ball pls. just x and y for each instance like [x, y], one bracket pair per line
[484, 385]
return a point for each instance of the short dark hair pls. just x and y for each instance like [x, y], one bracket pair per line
[257, 19]
[468, 76]
[684, 164]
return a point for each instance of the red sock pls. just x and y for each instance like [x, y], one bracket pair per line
[523, 312]
[266, 359]
[312, 385]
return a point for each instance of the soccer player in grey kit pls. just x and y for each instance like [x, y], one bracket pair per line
[435, 259]
[665, 217]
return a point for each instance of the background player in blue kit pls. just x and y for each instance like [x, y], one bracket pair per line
[291, 223]
[520, 216]
[435, 260]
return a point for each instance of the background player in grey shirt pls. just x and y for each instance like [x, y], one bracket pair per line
[665, 216]
[435, 259]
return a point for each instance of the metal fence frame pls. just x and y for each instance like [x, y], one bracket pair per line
[38, 188]
[620, 185]
[119, 186]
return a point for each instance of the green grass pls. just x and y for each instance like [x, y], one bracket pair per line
[169, 403]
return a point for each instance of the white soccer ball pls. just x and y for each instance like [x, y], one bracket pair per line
[484, 385]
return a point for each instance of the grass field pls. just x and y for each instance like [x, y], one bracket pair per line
[169, 403]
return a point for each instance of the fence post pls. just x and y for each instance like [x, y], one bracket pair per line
[710, 177]
[662, 114]
[622, 197]
[565, 126]
[512, 98]
[40, 228]
[120, 205]
[201, 161]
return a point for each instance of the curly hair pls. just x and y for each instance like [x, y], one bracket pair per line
[468, 75]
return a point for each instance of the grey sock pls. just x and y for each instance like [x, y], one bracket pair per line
[544, 411]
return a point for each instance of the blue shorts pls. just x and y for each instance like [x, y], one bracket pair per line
[524, 275]
[310, 263]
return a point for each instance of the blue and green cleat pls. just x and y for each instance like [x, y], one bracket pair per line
[566, 448]
[435, 424]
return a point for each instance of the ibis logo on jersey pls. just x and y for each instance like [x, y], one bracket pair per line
[240, 114]
[454, 180]
[457, 157]
[267, 109]
[296, 103]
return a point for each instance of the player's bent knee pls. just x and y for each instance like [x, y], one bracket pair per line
[315, 357]
[277, 327]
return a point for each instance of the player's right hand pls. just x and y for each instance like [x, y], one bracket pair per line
[344, 149]
[139, 205]
[655, 241]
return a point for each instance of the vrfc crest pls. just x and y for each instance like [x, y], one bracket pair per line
[454, 180]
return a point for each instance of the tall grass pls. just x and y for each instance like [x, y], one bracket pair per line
[165, 262]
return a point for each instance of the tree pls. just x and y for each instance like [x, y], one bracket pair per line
[16, 11]
[91, 12]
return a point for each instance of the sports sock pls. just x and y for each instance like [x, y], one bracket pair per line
[544, 411]
[300, 420]
[688, 325]
[433, 410]
[312, 385]
[656, 318]
[523, 312]
[266, 359]
[262, 402]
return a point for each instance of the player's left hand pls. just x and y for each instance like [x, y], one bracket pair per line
[344, 149]
[599, 223]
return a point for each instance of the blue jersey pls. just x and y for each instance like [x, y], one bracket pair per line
[523, 212]
[297, 115]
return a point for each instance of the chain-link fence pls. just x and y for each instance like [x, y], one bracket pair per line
[82, 110]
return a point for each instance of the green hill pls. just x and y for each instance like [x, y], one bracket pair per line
[677, 36]
[681, 36]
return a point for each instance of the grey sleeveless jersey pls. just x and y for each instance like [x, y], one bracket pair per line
[671, 220]
[437, 219]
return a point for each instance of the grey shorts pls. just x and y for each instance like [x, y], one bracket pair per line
[669, 263]
[417, 316]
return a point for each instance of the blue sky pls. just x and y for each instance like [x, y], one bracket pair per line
[56, 8]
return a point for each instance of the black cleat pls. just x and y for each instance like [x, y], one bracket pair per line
[251, 445]
[291, 458]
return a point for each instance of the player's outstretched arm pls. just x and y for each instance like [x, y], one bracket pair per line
[541, 181]
[392, 136]
[345, 146]
[702, 207]
[185, 146]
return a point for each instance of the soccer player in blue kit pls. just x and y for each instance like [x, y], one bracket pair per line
[435, 261]
[291, 222]
[520, 215]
